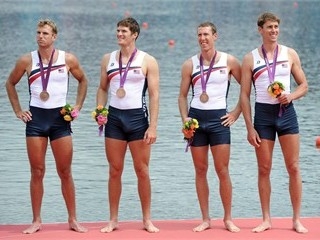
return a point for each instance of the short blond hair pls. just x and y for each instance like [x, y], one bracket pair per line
[50, 23]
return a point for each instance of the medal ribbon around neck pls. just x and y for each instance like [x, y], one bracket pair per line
[271, 70]
[124, 77]
[45, 80]
[204, 83]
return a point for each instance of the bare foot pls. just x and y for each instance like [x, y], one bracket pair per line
[231, 227]
[110, 227]
[299, 228]
[75, 226]
[203, 226]
[262, 227]
[149, 227]
[34, 227]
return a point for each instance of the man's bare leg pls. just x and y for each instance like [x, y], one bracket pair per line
[221, 157]
[36, 147]
[140, 152]
[264, 159]
[290, 145]
[116, 165]
[63, 164]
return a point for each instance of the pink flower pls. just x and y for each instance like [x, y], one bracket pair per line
[75, 113]
[102, 119]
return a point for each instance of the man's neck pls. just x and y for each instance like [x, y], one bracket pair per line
[207, 55]
[127, 51]
[45, 53]
[270, 47]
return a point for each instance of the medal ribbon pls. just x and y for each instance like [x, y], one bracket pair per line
[204, 83]
[45, 80]
[123, 78]
[271, 72]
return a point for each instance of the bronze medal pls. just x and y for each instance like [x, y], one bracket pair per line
[44, 96]
[121, 92]
[204, 97]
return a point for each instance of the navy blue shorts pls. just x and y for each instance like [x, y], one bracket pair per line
[210, 130]
[268, 122]
[128, 125]
[47, 123]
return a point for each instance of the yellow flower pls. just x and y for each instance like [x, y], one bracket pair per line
[67, 118]
[195, 123]
[94, 114]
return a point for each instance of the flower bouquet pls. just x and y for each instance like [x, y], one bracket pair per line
[100, 114]
[69, 113]
[275, 89]
[188, 129]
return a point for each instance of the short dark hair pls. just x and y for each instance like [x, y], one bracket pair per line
[131, 23]
[267, 16]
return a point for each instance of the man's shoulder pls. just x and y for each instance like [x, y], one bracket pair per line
[26, 57]
[146, 56]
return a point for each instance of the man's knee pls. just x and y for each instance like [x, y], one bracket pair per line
[37, 172]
